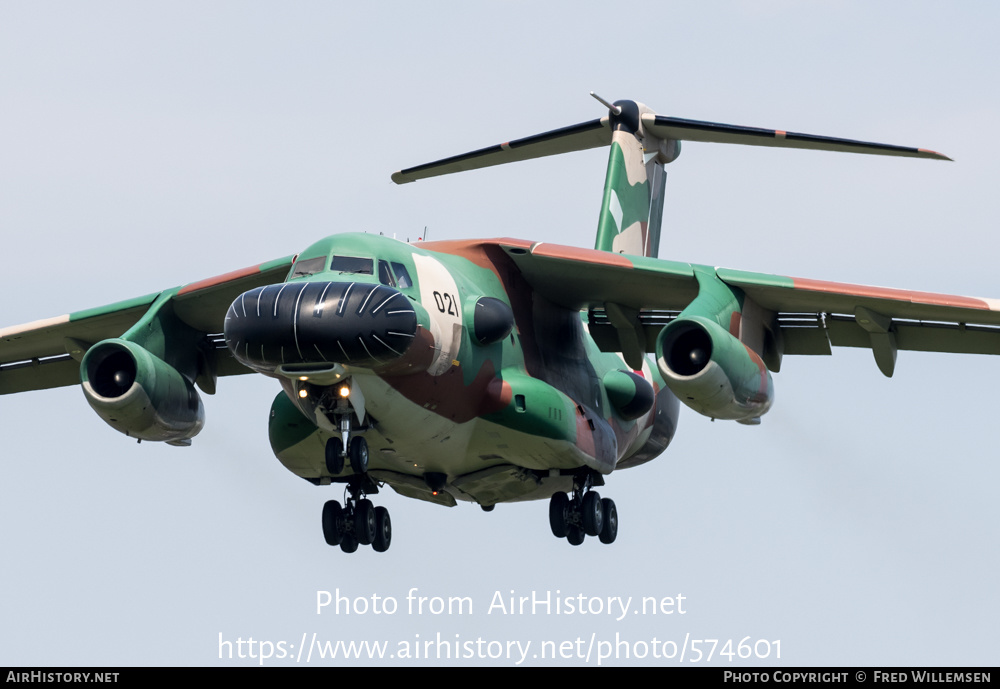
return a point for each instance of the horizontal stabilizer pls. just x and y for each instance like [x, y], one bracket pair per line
[577, 137]
[654, 132]
[641, 143]
[712, 132]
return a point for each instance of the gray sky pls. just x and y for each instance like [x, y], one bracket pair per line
[148, 145]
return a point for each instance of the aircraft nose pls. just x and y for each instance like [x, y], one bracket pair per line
[351, 323]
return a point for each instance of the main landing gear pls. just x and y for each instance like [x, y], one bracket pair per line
[585, 514]
[358, 522]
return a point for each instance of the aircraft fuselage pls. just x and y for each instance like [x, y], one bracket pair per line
[457, 371]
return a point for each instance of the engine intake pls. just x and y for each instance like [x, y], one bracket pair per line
[139, 394]
[688, 350]
[630, 394]
[711, 371]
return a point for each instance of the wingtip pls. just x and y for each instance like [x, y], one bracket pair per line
[935, 155]
[399, 178]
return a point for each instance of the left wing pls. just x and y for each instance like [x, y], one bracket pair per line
[635, 294]
[47, 353]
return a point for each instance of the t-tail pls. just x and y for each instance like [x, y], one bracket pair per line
[641, 143]
[632, 208]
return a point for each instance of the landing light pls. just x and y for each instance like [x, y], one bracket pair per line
[303, 393]
[344, 391]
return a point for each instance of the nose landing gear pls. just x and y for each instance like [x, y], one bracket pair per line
[357, 455]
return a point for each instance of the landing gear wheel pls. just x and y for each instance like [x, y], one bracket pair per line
[383, 530]
[349, 544]
[359, 454]
[332, 517]
[364, 522]
[592, 513]
[609, 532]
[558, 507]
[575, 535]
[334, 456]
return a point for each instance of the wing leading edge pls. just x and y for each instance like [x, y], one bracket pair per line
[47, 353]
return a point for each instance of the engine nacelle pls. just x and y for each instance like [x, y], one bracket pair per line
[631, 395]
[139, 394]
[711, 371]
[666, 410]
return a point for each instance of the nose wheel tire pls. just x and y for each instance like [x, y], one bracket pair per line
[359, 455]
[334, 456]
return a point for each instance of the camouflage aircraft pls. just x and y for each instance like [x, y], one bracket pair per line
[488, 371]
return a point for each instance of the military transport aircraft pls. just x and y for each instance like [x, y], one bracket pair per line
[495, 370]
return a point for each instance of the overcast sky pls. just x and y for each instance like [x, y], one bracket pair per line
[147, 145]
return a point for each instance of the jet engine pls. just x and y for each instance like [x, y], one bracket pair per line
[631, 395]
[139, 394]
[712, 371]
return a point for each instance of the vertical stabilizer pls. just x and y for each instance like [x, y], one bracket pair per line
[632, 209]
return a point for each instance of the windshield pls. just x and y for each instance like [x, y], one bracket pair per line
[308, 266]
[352, 264]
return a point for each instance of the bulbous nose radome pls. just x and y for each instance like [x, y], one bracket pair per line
[351, 323]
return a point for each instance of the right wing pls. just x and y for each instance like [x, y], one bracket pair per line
[47, 353]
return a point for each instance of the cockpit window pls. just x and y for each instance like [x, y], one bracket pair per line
[308, 266]
[352, 264]
[385, 274]
[396, 276]
[402, 277]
